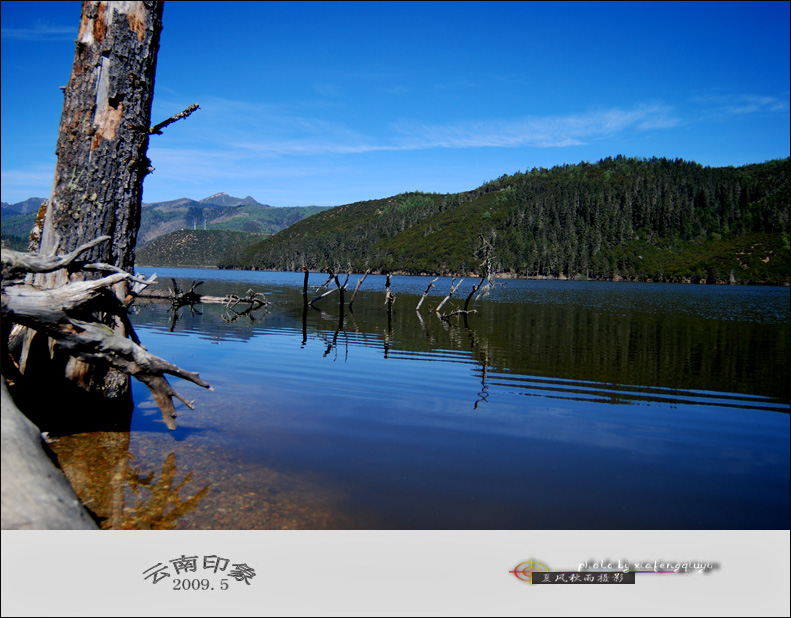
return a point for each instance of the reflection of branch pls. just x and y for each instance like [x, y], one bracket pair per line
[483, 395]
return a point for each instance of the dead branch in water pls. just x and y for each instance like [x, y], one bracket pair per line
[422, 298]
[357, 287]
[453, 288]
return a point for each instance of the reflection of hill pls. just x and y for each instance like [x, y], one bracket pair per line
[561, 341]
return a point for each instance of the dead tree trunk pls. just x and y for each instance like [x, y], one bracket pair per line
[101, 149]
[104, 129]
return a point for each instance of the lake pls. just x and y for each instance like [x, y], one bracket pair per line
[557, 405]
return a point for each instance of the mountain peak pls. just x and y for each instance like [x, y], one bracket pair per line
[223, 199]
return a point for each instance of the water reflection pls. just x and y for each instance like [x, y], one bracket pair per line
[328, 416]
[99, 467]
[564, 341]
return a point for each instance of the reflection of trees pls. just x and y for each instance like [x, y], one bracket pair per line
[98, 467]
[564, 341]
[164, 506]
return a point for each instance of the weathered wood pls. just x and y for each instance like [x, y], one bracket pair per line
[422, 298]
[66, 315]
[389, 296]
[52, 311]
[104, 132]
[179, 298]
[472, 291]
[35, 494]
[256, 300]
[357, 287]
[101, 149]
[17, 264]
[453, 288]
[157, 129]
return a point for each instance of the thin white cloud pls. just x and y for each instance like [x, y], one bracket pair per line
[535, 131]
[40, 32]
[263, 131]
[721, 107]
[750, 104]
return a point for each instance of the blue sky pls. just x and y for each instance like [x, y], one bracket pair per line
[329, 103]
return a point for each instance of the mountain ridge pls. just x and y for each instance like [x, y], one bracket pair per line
[219, 211]
[620, 218]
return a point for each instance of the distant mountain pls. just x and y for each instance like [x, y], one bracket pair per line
[215, 212]
[223, 199]
[29, 206]
[18, 220]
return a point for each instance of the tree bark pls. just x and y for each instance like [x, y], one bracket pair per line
[102, 144]
[104, 129]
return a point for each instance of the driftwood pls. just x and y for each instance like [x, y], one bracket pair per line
[66, 315]
[327, 293]
[253, 300]
[179, 298]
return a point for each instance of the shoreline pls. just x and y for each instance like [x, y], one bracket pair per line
[473, 275]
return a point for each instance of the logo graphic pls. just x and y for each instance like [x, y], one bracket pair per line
[524, 570]
[605, 571]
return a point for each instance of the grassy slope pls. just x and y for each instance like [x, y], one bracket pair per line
[192, 248]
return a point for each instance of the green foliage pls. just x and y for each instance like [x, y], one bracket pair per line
[17, 243]
[588, 220]
[17, 226]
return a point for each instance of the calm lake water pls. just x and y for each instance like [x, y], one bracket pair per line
[558, 405]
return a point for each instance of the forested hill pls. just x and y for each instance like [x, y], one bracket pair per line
[631, 218]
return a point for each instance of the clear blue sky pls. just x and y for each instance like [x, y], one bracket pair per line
[330, 102]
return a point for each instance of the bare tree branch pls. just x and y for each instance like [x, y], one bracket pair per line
[157, 129]
[16, 262]
[65, 314]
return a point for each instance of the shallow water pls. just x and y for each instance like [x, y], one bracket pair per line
[558, 405]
